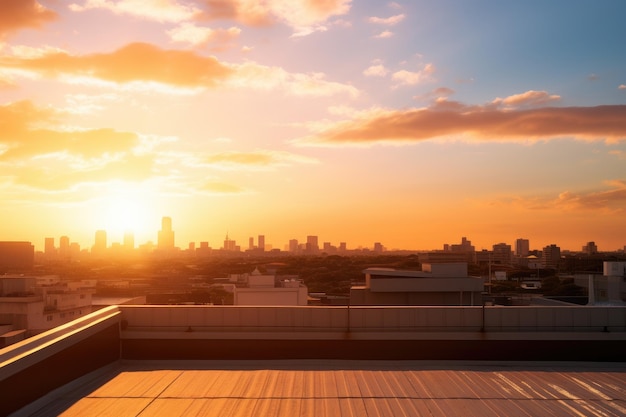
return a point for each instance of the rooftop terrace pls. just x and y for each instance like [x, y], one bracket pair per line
[145, 359]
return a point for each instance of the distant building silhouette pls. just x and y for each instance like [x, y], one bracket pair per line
[166, 234]
[551, 256]
[522, 247]
[100, 245]
[590, 248]
[16, 256]
[64, 247]
[49, 249]
[312, 245]
[229, 244]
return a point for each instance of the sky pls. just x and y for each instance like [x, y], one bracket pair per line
[411, 123]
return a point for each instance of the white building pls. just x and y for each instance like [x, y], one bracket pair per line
[435, 284]
[258, 289]
[30, 305]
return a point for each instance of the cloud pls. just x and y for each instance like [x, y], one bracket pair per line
[404, 77]
[612, 199]
[304, 16]
[622, 87]
[146, 66]
[134, 62]
[164, 11]
[377, 70]
[260, 77]
[216, 187]
[387, 21]
[453, 119]
[438, 93]
[19, 14]
[27, 131]
[618, 153]
[200, 36]
[128, 168]
[529, 98]
[384, 35]
[254, 160]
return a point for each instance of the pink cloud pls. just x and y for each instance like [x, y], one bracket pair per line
[20, 14]
[453, 119]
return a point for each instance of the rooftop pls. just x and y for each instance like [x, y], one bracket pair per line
[270, 361]
[341, 388]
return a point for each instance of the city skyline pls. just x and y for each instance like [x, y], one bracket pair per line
[165, 240]
[401, 122]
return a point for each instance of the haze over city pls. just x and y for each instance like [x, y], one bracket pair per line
[409, 123]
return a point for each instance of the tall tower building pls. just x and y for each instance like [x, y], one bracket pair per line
[522, 247]
[229, 244]
[551, 256]
[100, 246]
[64, 247]
[166, 234]
[262, 243]
[312, 245]
[49, 248]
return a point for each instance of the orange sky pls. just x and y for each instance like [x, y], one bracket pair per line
[405, 123]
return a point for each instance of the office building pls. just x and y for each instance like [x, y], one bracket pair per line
[522, 247]
[165, 239]
[100, 246]
[551, 256]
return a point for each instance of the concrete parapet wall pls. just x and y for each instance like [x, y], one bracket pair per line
[35, 366]
[367, 319]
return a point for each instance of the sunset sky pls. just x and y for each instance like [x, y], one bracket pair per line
[411, 123]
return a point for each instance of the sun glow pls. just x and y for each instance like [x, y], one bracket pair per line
[127, 208]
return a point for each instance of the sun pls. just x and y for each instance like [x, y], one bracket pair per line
[126, 208]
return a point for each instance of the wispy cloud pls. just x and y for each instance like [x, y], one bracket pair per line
[529, 98]
[201, 35]
[133, 62]
[261, 159]
[387, 21]
[404, 77]
[20, 14]
[170, 11]
[445, 119]
[376, 70]
[141, 64]
[385, 34]
[217, 187]
[304, 16]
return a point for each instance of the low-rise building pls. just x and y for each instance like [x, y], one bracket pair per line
[30, 305]
[435, 284]
[265, 289]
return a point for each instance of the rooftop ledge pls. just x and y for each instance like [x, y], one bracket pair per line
[35, 366]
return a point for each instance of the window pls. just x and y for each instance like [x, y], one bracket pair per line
[49, 317]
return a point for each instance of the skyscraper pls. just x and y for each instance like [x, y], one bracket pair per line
[49, 248]
[64, 247]
[166, 234]
[100, 245]
[522, 247]
[262, 243]
[311, 244]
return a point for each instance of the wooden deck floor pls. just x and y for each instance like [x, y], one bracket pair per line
[342, 388]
